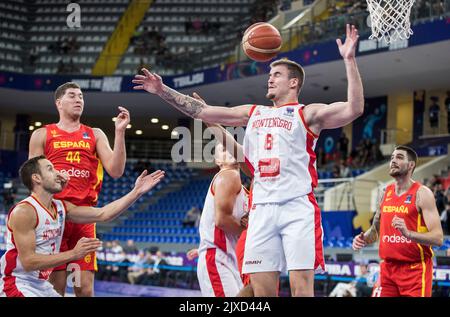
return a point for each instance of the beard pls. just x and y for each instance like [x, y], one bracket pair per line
[398, 172]
[53, 188]
[270, 96]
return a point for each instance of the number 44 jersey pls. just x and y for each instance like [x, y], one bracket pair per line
[75, 153]
[279, 149]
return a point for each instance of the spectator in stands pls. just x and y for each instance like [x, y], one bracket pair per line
[130, 247]
[433, 113]
[61, 69]
[321, 158]
[336, 171]
[103, 255]
[440, 197]
[436, 179]
[188, 25]
[147, 268]
[423, 9]
[159, 269]
[116, 248]
[197, 25]
[447, 106]
[344, 169]
[192, 217]
[9, 195]
[362, 288]
[34, 55]
[285, 5]
[72, 68]
[343, 146]
[445, 218]
[72, 45]
[206, 26]
[138, 268]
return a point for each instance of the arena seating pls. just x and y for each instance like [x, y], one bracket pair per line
[13, 17]
[208, 46]
[49, 27]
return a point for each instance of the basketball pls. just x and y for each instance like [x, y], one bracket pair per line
[261, 42]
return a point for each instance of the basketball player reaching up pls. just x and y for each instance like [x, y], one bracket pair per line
[82, 152]
[408, 224]
[235, 149]
[36, 225]
[279, 148]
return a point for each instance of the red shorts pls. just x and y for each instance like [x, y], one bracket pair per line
[72, 233]
[412, 279]
[240, 249]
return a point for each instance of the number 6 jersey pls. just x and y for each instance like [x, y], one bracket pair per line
[75, 153]
[279, 149]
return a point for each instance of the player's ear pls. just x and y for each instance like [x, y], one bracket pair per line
[36, 178]
[294, 82]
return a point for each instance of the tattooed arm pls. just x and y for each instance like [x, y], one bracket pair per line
[235, 116]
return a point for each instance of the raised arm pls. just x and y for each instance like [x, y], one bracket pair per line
[339, 114]
[226, 186]
[114, 160]
[86, 214]
[22, 222]
[430, 233]
[37, 143]
[235, 116]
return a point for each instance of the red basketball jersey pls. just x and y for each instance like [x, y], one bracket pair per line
[393, 245]
[75, 153]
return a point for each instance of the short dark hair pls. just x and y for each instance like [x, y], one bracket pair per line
[29, 168]
[61, 90]
[412, 155]
[295, 70]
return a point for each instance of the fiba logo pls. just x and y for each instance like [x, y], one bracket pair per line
[74, 18]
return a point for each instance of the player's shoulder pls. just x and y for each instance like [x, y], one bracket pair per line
[22, 213]
[423, 190]
[39, 133]
[228, 178]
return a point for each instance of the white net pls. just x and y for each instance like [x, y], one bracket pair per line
[390, 19]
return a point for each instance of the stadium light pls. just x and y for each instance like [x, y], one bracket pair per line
[174, 133]
[129, 126]
[114, 119]
[31, 128]
[138, 132]
[154, 120]
[38, 123]
[165, 127]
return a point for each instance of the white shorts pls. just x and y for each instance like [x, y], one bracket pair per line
[286, 236]
[27, 289]
[218, 274]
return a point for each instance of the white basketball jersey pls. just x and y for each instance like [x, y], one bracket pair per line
[212, 236]
[279, 148]
[49, 231]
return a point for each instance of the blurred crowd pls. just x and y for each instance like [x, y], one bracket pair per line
[128, 264]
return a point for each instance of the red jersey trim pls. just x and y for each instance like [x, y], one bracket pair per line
[251, 110]
[288, 104]
[9, 286]
[300, 111]
[48, 211]
[213, 273]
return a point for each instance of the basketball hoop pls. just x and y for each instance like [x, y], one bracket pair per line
[390, 19]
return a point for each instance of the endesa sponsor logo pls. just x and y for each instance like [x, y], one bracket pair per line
[73, 172]
[396, 239]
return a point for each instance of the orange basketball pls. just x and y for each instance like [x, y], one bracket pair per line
[261, 42]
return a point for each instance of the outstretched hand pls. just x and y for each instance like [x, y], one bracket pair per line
[122, 119]
[150, 82]
[145, 183]
[348, 49]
